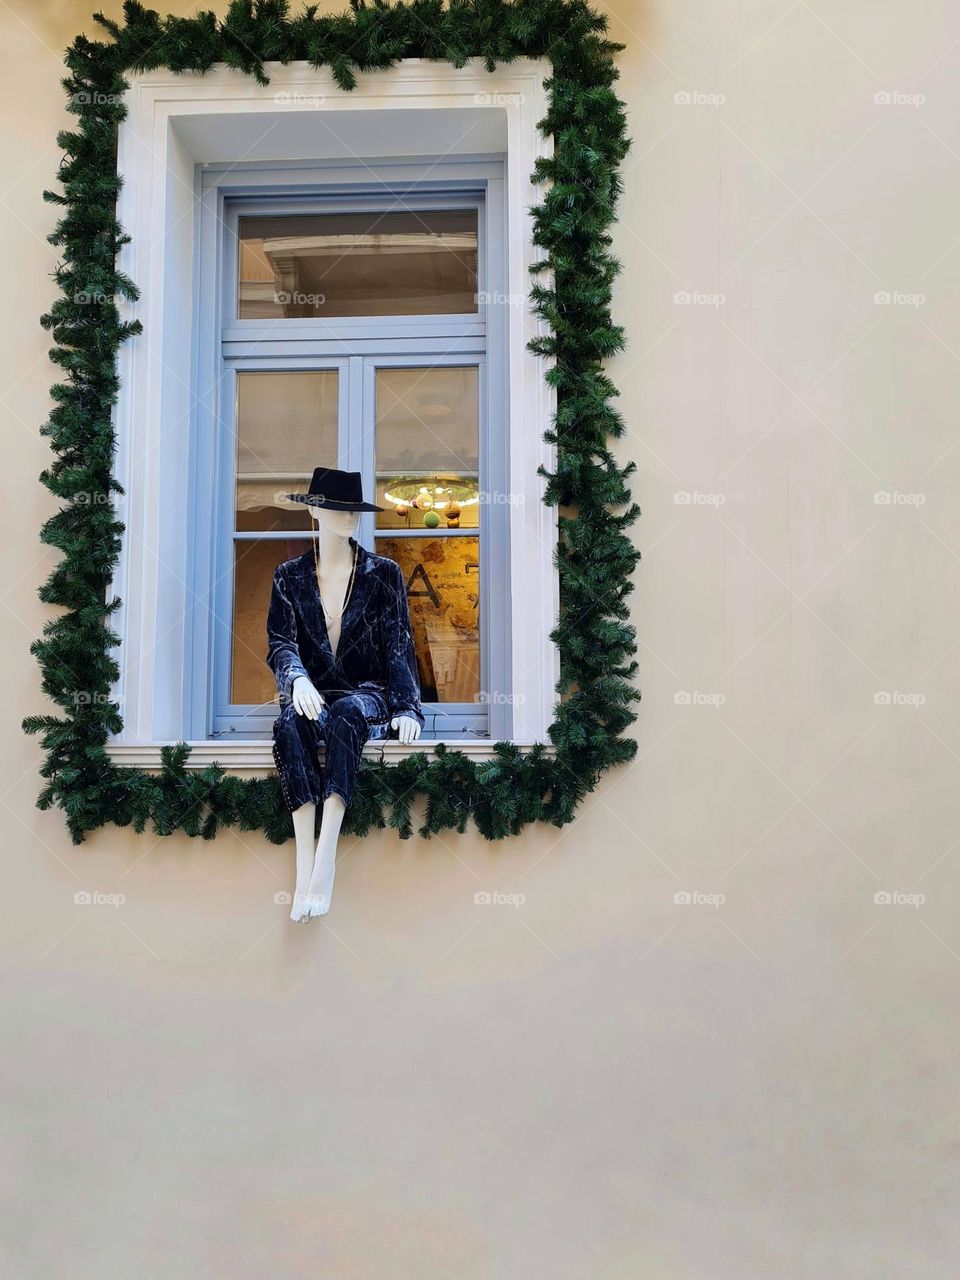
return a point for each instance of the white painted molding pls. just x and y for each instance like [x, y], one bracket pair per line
[176, 123]
[243, 756]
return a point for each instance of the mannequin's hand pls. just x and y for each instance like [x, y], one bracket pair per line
[306, 700]
[407, 727]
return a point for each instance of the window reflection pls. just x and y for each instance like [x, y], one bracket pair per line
[286, 426]
[443, 592]
[404, 262]
[427, 443]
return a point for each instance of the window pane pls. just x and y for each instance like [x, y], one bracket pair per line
[426, 443]
[252, 680]
[286, 426]
[358, 264]
[443, 590]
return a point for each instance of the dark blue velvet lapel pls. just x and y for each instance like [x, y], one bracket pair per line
[346, 620]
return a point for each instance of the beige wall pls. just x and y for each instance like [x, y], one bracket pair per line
[600, 1083]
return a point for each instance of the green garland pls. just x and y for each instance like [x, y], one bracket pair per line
[594, 557]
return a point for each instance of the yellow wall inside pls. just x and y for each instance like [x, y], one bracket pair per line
[598, 1082]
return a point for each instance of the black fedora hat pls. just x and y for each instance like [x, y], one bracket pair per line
[335, 491]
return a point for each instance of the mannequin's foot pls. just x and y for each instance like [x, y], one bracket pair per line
[320, 888]
[319, 892]
[299, 911]
[317, 905]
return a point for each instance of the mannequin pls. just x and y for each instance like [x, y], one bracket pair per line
[341, 648]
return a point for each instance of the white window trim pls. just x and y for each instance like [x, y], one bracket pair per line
[176, 123]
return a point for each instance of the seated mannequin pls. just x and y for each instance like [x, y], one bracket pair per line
[341, 648]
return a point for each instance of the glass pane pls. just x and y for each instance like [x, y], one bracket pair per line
[443, 590]
[402, 263]
[286, 426]
[426, 443]
[252, 680]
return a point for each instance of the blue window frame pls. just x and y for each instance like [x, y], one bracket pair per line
[415, 402]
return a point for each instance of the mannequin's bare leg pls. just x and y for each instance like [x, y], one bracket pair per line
[304, 821]
[320, 892]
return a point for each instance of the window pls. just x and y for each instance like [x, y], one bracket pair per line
[358, 305]
[387, 262]
[353, 334]
[427, 448]
[285, 424]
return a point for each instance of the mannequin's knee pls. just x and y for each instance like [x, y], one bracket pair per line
[347, 723]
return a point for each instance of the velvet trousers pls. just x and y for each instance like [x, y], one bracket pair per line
[346, 722]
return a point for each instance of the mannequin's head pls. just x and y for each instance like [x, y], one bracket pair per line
[339, 524]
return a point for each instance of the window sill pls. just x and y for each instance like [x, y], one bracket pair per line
[257, 753]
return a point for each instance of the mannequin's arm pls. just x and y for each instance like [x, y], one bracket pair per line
[400, 659]
[283, 656]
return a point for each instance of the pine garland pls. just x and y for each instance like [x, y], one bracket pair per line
[594, 556]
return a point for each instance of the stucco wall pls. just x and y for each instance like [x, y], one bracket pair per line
[602, 1082]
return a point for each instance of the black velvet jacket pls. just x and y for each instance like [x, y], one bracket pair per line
[375, 652]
